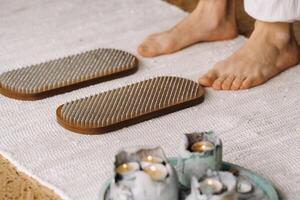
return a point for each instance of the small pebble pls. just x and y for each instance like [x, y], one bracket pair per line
[244, 186]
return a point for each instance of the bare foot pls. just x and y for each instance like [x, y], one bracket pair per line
[212, 20]
[271, 49]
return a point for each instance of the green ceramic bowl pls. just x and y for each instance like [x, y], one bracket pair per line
[260, 182]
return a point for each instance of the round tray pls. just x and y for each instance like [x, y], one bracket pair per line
[259, 181]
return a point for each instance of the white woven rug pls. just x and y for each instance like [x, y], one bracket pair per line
[260, 128]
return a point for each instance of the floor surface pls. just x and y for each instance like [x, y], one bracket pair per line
[15, 185]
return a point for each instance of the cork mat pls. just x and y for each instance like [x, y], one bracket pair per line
[16, 185]
[128, 105]
[17, 182]
[66, 74]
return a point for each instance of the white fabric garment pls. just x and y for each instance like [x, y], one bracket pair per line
[260, 127]
[274, 10]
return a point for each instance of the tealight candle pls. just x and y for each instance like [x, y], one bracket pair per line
[202, 146]
[127, 168]
[156, 180]
[211, 186]
[152, 159]
[198, 153]
[244, 186]
[156, 171]
[216, 185]
[149, 160]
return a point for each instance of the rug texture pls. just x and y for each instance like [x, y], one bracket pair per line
[260, 127]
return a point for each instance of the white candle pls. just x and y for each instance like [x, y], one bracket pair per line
[149, 160]
[156, 171]
[127, 168]
[153, 159]
[202, 146]
[211, 186]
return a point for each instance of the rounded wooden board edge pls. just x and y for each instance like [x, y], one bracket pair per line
[57, 91]
[77, 128]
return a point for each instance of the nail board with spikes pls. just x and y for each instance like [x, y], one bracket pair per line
[128, 105]
[65, 74]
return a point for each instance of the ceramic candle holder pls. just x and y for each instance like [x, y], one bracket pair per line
[214, 186]
[198, 152]
[154, 178]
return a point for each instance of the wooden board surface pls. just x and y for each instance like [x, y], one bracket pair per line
[15, 185]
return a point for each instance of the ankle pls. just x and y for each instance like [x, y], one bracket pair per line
[221, 4]
[277, 33]
[218, 8]
[219, 12]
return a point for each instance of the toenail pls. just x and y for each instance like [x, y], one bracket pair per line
[144, 48]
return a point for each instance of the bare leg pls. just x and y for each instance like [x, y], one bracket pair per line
[212, 20]
[271, 49]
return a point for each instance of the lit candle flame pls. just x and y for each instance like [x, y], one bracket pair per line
[202, 146]
[211, 186]
[153, 168]
[150, 158]
[210, 182]
[125, 166]
[157, 171]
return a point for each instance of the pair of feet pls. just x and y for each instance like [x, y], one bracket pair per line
[271, 49]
